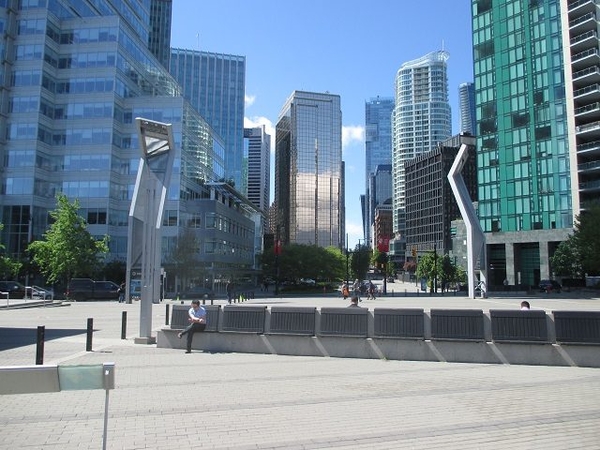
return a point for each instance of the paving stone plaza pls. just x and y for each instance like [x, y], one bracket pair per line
[164, 398]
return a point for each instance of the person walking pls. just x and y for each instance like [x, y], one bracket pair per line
[229, 289]
[356, 288]
[197, 319]
[121, 292]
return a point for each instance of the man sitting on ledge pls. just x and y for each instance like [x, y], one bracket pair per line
[197, 321]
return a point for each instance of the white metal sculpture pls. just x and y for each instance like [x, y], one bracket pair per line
[475, 236]
[145, 217]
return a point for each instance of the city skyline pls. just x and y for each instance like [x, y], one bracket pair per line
[357, 66]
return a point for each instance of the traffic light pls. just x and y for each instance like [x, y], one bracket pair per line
[414, 252]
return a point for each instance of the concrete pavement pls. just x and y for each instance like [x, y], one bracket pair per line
[166, 399]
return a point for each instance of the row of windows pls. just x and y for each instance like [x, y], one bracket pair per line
[70, 163]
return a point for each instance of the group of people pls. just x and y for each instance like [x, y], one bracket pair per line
[358, 289]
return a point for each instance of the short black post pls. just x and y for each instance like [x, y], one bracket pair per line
[90, 329]
[167, 314]
[124, 325]
[39, 351]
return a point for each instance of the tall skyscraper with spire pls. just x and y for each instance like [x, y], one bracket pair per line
[422, 118]
[308, 170]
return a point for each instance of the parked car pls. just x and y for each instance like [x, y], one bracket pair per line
[13, 288]
[39, 292]
[196, 293]
[549, 285]
[83, 289]
[308, 281]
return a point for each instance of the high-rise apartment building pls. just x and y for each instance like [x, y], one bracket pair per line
[524, 154]
[466, 97]
[308, 170]
[582, 76]
[215, 84]
[378, 151]
[422, 118]
[74, 78]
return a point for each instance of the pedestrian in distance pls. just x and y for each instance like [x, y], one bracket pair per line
[197, 319]
[345, 291]
[371, 291]
[356, 288]
[525, 306]
[229, 289]
[121, 292]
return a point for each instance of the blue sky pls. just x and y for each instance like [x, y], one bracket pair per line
[352, 48]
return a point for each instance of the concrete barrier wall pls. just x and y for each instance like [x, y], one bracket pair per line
[468, 336]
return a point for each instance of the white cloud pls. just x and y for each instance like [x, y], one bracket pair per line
[352, 134]
[259, 121]
[249, 100]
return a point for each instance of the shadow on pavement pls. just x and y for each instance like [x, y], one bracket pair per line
[20, 337]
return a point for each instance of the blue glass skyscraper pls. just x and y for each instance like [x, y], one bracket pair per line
[215, 84]
[76, 75]
[378, 151]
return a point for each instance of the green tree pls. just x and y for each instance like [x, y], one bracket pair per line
[429, 267]
[360, 262]
[183, 260]
[9, 268]
[586, 240]
[566, 261]
[68, 249]
[305, 261]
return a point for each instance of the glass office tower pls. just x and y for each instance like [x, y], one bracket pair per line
[525, 202]
[215, 84]
[308, 170]
[378, 151]
[75, 76]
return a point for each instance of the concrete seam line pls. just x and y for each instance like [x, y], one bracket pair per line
[562, 352]
[320, 346]
[376, 348]
[265, 340]
[498, 353]
[435, 351]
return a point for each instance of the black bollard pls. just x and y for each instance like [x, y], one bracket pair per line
[90, 330]
[167, 314]
[124, 325]
[39, 350]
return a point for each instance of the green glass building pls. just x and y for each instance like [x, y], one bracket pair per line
[525, 197]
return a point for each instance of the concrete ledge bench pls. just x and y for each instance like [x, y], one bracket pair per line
[294, 321]
[344, 322]
[519, 326]
[399, 323]
[577, 327]
[457, 324]
[563, 338]
[244, 319]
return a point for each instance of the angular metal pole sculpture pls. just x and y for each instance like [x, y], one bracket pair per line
[475, 236]
[145, 217]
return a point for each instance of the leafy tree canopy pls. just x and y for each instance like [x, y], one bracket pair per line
[68, 249]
